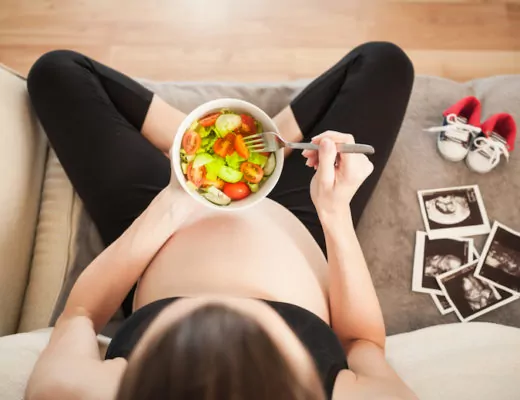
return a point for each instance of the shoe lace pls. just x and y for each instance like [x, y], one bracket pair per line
[456, 130]
[491, 148]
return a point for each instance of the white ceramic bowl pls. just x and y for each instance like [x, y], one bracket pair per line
[238, 106]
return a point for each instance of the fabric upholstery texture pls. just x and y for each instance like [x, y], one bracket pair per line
[22, 156]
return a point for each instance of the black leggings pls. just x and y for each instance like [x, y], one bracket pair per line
[93, 115]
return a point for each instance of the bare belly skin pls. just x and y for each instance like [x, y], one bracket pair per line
[262, 252]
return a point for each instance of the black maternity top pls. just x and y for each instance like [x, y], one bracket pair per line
[319, 339]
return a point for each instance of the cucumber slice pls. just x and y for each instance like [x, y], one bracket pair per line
[202, 159]
[191, 186]
[270, 165]
[216, 196]
[227, 123]
[194, 125]
[184, 167]
[253, 186]
[229, 174]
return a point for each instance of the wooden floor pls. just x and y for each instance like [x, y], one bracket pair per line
[252, 40]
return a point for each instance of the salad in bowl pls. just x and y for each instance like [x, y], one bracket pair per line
[214, 164]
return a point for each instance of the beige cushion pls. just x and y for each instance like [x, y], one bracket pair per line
[22, 156]
[449, 362]
[54, 249]
[19, 354]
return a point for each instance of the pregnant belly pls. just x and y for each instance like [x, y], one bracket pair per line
[264, 252]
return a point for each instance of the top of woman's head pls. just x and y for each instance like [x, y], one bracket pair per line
[215, 352]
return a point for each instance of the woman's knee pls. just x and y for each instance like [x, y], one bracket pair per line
[51, 68]
[389, 59]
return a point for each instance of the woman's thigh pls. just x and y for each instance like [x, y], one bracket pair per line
[92, 116]
[366, 94]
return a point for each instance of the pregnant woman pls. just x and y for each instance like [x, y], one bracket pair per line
[274, 302]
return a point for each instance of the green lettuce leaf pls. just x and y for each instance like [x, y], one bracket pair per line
[213, 168]
[257, 158]
[234, 161]
[259, 128]
[208, 141]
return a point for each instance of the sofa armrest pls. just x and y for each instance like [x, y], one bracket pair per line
[22, 156]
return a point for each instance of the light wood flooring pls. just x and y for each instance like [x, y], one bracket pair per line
[259, 40]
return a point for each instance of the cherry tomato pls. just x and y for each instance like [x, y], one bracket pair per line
[218, 183]
[196, 175]
[241, 147]
[191, 142]
[248, 125]
[223, 147]
[265, 153]
[231, 137]
[236, 191]
[210, 119]
[253, 173]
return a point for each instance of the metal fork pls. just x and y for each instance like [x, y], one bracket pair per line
[272, 141]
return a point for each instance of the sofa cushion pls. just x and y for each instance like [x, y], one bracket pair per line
[387, 228]
[437, 362]
[22, 156]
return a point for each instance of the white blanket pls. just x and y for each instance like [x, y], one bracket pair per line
[477, 361]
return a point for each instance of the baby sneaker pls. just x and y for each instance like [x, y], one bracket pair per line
[496, 140]
[460, 125]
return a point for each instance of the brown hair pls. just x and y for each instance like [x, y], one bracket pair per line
[215, 353]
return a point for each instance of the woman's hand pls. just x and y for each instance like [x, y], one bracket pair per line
[338, 175]
[183, 208]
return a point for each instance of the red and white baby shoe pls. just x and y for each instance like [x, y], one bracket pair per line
[497, 139]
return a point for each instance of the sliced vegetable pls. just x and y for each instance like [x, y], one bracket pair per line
[194, 125]
[254, 187]
[253, 173]
[241, 147]
[225, 146]
[191, 142]
[203, 132]
[196, 175]
[227, 123]
[210, 119]
[248, 124]
[270, 165]
[217, 163]
[187, 158]
[237, 191]
[235, 160]
[202, 159]
[216, 196]
[191, 186]
[229, 174]
[208, 142]
[213, 168]
[259, 128]
[257, 158]
[218, 183]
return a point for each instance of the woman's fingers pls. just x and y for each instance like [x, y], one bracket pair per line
[312, 156]
[308, 153]
[326, 168]
[337, 137]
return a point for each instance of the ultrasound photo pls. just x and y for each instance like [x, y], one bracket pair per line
[442, 304]
[500, 261]
[453, 212]
[469, 295]
[435, 257]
